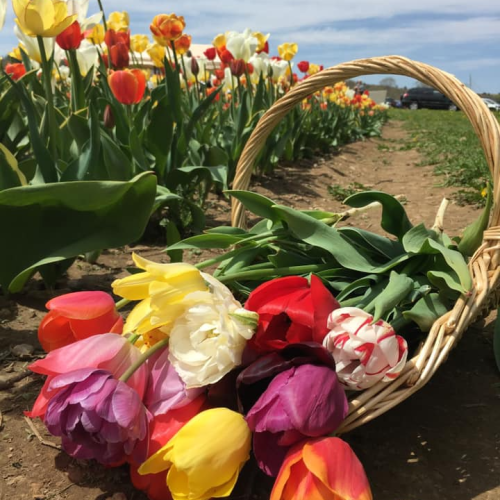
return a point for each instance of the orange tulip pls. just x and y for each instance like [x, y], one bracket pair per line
[323, 469]
[167, 28]
[182, 44]
[128, 86]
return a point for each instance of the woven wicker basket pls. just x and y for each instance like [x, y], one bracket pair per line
[484, 265]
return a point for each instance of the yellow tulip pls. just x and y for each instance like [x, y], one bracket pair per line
[287, 51]
[162, 289]
[205, 457]
[313, 69]
[15, 53]
[139, 43]
[118, 21]
[96, 35]
[157, 54]
[45, 18]
[219, 41]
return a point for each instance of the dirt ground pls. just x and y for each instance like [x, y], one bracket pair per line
[443, 443]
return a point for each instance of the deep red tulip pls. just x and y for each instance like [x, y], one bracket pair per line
[210, 53]
[76, 316]
[15, 70]
[128, 86]
[71, 37]
[303, 66]
[290, 310]
[225, 56]
[237, 67]
[322, 469]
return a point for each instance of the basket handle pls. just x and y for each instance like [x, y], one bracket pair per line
[485, 124]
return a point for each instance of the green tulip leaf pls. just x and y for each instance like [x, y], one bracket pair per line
[394, 218]
[397, 289]
[10, 175]
[49, 223]
[426, 311]
[256, 203]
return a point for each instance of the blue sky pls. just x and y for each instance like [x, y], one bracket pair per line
[458, 36]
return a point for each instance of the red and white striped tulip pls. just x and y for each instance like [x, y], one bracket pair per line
[365, 352]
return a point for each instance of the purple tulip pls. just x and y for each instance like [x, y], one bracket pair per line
[301, 402]
[166, 390]
[98, 416]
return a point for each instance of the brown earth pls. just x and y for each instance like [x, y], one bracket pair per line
[443, 443]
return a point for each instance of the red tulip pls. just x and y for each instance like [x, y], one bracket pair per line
[128, 86]
[210, 53]
[15, 70]
[303, 66]
[118, 43]
[71, 37]
[76, 316]
[323, 469]
[290, 311]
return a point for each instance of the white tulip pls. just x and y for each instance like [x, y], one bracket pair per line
[207, 341]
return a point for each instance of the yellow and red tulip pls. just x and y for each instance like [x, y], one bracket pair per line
[323, 469]
[167, 28]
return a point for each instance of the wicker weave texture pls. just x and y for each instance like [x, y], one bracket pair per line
[484, 265]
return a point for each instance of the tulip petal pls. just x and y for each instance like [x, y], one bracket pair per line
[82, 305]
[334, 463]
[294, 456]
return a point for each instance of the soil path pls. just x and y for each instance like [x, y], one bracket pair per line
[443, 443]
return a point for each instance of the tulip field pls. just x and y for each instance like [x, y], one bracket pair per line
[219, 361]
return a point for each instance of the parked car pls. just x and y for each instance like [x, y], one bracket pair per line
[426, 97]
[393, 103]
[493, 105]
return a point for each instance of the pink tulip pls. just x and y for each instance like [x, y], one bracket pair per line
[365, 352]
[76, 316]
[107, 352]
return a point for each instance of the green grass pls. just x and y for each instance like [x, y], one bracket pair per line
[340, 193]
[448, 141]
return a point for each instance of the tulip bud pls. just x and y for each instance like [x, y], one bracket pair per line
[195, 67]
[109, 117]
[210, 53]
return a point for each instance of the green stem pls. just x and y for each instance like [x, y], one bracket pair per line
[279, 271]
[77, 93]
[47, 82]
[122, 303]
[232, 253]
[143, 358]
[291, 74]
[177, 67]
[103, 15]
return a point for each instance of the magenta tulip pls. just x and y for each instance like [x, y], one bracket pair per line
[303, 401]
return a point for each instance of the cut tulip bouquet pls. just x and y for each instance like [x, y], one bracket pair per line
[192, 381]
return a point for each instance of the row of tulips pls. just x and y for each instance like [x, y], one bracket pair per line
[193, 382]
[84, 100]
